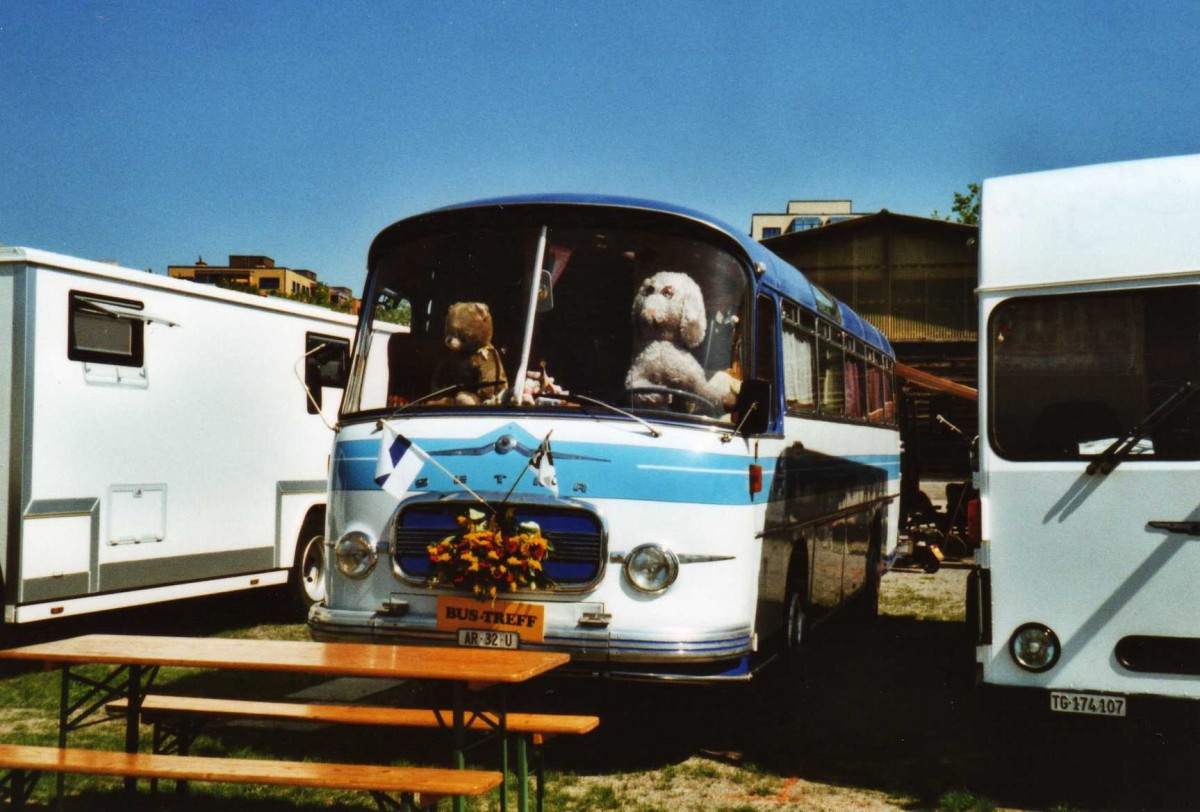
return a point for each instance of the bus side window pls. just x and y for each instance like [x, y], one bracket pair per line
[799, 359]
[832, 367]
[855, 393]
[767, 329]
[875, 411]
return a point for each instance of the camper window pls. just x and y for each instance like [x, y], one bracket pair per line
[98, 332]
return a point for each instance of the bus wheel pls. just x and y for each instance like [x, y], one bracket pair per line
[307, 582]
[868, 601]
[796, 625]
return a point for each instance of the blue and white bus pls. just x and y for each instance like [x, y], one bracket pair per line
[715, 457]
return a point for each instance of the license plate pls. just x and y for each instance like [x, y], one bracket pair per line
[1090, 704]
[480, 638]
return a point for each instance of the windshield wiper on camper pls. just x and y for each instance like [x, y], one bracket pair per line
[1123, 446]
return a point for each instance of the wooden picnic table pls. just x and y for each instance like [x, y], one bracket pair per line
[137, 658]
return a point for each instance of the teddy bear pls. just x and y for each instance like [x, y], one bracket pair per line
[670, 320]
[473, 362]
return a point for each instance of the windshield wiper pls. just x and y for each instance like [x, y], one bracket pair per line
[446, 390]
[581, 399]
[1124, 445]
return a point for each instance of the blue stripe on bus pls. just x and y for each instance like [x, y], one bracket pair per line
[606, 471]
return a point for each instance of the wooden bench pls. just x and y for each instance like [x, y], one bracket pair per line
[417, 786]
[534, 727]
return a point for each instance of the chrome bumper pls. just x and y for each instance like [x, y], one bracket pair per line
[592, 650]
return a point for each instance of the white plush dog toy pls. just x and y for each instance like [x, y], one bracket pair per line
[668, 312]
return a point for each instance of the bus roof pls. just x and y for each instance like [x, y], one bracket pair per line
[777, 274]
[1098, 223]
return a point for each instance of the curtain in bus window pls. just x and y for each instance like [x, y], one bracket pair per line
[875, 394]
[854, 387]
[833, 392]
[889, 398]
[798, 369]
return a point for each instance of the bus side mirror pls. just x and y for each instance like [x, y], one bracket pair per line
[752, 412]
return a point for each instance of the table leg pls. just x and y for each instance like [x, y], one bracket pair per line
[522, 775]
[63, 715]
[134, 696]
[503, 729]
[460, 724]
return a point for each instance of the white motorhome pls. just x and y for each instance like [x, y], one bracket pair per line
[161, 439]
[1090, 441]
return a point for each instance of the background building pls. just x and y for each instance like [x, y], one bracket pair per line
[256, 271]
[914, 278]
[801, 215]
[261, 274]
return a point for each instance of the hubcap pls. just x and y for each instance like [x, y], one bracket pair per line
[312, 569]
[795, 622]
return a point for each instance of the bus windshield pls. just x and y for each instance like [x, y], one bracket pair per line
[531, 314]
[1073, 374]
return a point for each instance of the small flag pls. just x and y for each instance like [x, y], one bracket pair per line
[399, 462]
[542, 462]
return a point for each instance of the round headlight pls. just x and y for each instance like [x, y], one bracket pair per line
[354, 555]
[1035, 647]
[651, 568]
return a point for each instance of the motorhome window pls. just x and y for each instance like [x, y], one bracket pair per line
[326, 364]
[1070, 374]
[97, 332]
[464, 293]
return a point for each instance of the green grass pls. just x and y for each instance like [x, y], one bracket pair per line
[961, 800]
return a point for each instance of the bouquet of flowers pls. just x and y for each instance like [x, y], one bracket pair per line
[490, 554]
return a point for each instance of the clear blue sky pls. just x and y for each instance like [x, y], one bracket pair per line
[155, 132]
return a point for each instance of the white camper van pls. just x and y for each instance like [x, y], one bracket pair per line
[1082, 597]
[161, 439]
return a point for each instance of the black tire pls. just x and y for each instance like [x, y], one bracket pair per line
[968, 673]
[954, 546]
[795, 620]
[931, 564]
[306, 584]
[867, 609]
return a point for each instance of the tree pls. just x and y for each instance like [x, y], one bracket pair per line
[965, 208]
